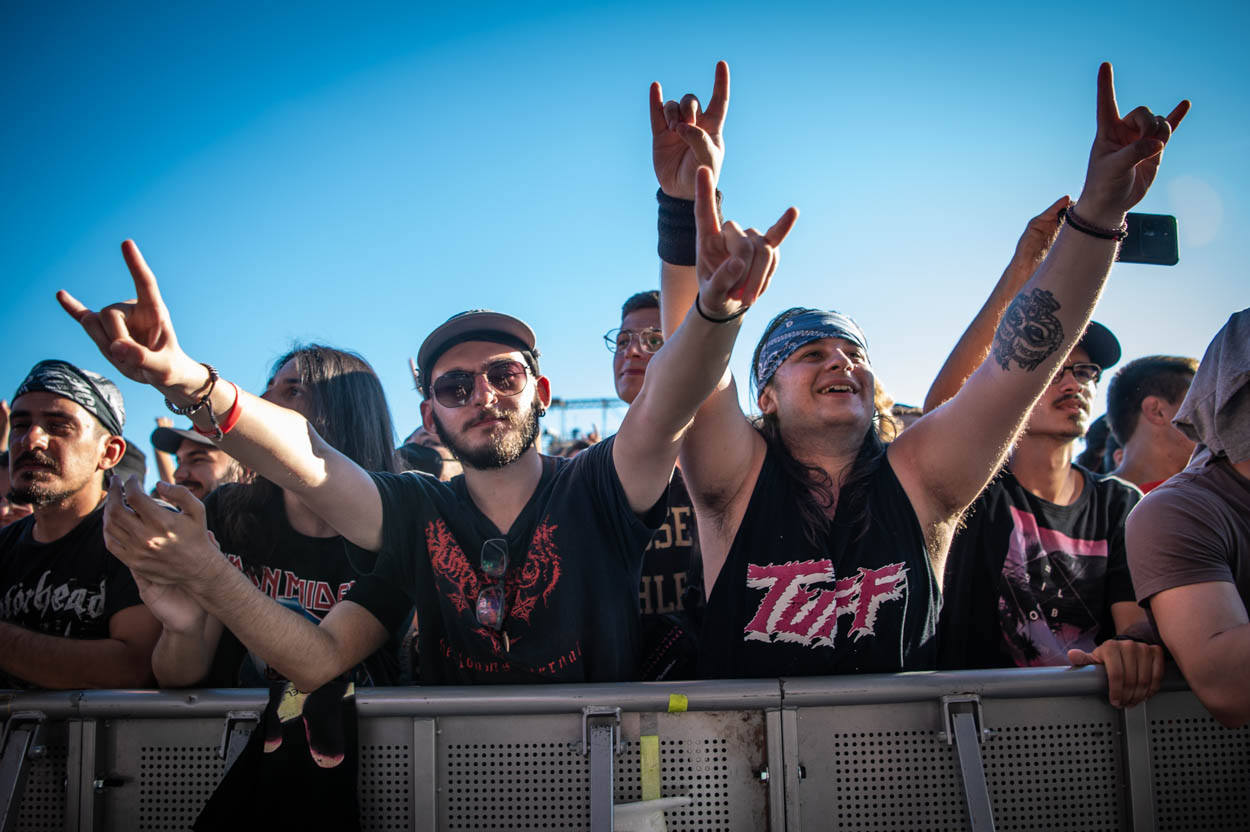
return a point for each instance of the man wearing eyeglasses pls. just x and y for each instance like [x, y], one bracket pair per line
[1039, 575]
[670, 594]
[524, 570]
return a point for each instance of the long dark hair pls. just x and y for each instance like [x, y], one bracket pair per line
[350, 413]
[814, 485]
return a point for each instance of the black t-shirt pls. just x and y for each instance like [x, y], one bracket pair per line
[308, 575]
[575, 557]
[671, 577]
[671, 593]
[864, 604]
[70, 587]
[1027, 579]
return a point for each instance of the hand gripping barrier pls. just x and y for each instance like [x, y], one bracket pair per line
[1016, 749]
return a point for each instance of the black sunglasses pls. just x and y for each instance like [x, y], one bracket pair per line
[455, 389]
[492, 606]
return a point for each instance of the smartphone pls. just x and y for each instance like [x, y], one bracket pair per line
[1151, 239]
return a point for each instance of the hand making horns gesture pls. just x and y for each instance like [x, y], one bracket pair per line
[1125, 156]
[136, 335]
[733, 266]
[685, 137]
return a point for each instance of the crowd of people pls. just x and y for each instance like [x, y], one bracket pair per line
[829, 532]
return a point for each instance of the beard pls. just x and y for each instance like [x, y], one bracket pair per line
[500, 449]
[37, 494]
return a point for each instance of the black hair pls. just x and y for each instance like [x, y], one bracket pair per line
[814, 485]
[350, 413]
[1165, 376]
[649, 299]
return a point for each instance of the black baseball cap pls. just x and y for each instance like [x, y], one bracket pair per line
[169, 439]
[1102, 347]
[475, 325]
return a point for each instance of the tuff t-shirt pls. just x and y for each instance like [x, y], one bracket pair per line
[70, 587]
[864, 603]
[1194, 528]
[571, 587]
[307, 575]
[1027, 579]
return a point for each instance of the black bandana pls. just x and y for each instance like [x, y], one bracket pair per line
[97, 395]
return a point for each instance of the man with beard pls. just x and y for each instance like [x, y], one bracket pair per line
[1038, 575]
[70, 615]
[201, 465]
[522, 570]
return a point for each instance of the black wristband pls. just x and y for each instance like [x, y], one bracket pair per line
[698, 307]
[678, 230]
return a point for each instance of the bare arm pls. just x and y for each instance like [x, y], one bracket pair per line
[1206, 628]
[974, 345]
[721, 449]
[168, 547]
[1134, 668]
[138, 337]
[123, 660]
[164, 461]
[733, 270]
[946, 458]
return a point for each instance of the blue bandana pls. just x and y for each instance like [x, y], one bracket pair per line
[803, 328]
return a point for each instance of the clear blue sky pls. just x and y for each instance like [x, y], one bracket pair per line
[305, 172]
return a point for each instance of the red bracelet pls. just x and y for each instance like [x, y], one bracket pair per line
[232, 419]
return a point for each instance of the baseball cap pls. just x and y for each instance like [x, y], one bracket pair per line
[169, 439]
[1102, 347]
[475, 325]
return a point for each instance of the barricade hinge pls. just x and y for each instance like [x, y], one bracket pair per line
[959, 703]
[600, 715]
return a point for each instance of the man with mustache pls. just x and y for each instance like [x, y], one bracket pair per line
[1038, 575]
[525, 569]
[70, 614]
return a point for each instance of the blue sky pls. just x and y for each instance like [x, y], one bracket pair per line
[306, 172]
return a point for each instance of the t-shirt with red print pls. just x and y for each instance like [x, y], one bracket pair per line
[864, 602]
[1027, 579]
[571, 588]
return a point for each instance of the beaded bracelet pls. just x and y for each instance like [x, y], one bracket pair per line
[194, 408]
[1117, 234]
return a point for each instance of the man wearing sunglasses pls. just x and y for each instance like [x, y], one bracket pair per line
[670, 594]
[1039, 573]
[524, 570]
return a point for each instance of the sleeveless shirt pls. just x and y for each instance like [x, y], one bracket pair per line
[866, 602]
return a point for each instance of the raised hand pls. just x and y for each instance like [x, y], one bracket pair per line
[734, 266]
[136, 335]
[1125, 156]
[685, 137]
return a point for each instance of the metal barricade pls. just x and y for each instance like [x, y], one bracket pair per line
[1013, 749]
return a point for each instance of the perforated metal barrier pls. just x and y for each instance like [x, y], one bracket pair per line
[1010, 750]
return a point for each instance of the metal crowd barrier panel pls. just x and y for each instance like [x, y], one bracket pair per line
[1007, 749]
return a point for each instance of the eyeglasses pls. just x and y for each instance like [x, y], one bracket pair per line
[649, 340]
[455, 389]
[1083, 373]
[492, 607]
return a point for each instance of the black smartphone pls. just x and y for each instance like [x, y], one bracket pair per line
[1151, 239]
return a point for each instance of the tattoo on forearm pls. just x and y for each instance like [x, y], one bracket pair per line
[1029, 331]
